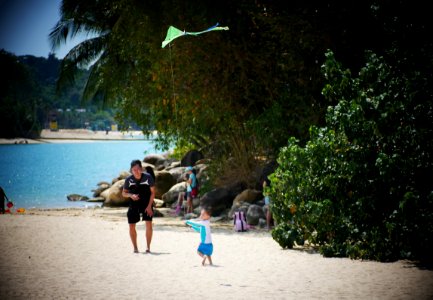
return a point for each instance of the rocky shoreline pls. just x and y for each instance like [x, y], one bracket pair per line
[223, 201]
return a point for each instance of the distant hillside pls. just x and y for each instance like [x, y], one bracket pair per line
[29, 98]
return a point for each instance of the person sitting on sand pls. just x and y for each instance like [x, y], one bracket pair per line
[140, 189]
[269, 219]
[3, 198]
[202, 225]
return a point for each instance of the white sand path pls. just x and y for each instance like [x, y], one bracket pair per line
[88, 257]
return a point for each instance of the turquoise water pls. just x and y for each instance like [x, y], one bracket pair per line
[42, 175]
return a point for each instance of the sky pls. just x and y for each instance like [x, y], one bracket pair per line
[26, 24]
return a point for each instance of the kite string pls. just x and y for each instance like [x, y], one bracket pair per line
[172, 85]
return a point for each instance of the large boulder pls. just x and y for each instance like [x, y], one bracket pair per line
[113, 195]
[248, 195]
[217, 200]
[122, 175]
[172, 194]
[242, 206]
[158, 203]
[159, 162]
[244, 199]
[164, 181]
[102, 186]
[235, 188]
[178, 173]
[173, 164]
[77, 197]
[190, 158]
[254, 214]
[154, 159]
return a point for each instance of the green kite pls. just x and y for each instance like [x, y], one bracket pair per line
[174, 33]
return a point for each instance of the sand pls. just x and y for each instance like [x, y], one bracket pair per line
[77, 136]
[87, 254]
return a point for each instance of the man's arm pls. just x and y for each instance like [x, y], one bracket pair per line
[127, 194]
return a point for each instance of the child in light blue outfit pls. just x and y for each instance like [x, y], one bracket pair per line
[202, 225]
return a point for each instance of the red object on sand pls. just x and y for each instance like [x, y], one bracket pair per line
[10, 204]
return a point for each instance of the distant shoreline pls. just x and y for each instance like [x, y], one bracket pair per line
[79, 136]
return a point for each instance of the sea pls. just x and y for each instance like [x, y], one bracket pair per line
[42, 175]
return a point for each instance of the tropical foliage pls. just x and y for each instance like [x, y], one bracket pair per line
[237, 93]
[358, 188]
[355, 186]
[28, 98]
[19, 101]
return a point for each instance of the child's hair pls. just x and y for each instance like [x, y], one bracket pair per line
[207, 210]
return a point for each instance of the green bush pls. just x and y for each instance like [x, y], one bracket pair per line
[362, 186]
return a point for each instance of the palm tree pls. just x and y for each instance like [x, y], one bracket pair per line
[97, 18]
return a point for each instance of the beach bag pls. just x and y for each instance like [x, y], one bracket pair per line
[240, 221]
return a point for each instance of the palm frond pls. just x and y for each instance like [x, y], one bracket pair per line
[80, 56]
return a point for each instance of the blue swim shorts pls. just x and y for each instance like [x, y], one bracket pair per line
[206, 249]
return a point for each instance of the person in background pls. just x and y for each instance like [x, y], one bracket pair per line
[191, 189]
[190, 193]
[140, 189]
[267, 183]
[3, 199]
[181, 197]
[149, 170]
[202, 225]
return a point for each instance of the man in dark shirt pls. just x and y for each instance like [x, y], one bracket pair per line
[140, 189]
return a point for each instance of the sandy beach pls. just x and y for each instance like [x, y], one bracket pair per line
[76, 135]
[87, 254]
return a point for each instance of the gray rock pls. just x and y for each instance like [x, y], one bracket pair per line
[153, 159]
[254, 214]
[113, 195]
[190, 158]
[216, 200]
[164, 181]
[172, 194]
[96, 199]
[77, 197]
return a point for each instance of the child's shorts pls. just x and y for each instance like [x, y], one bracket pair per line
[206, 249]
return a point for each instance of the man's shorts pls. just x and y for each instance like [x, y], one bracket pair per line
[206, 249]
[134, 215]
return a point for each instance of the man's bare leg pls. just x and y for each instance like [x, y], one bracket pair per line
[149, 233]
[133, 235]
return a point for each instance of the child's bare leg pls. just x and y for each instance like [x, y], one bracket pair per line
[180, 199]
[179, 202]
[203, 256]
[189, 205]
[209, 258]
